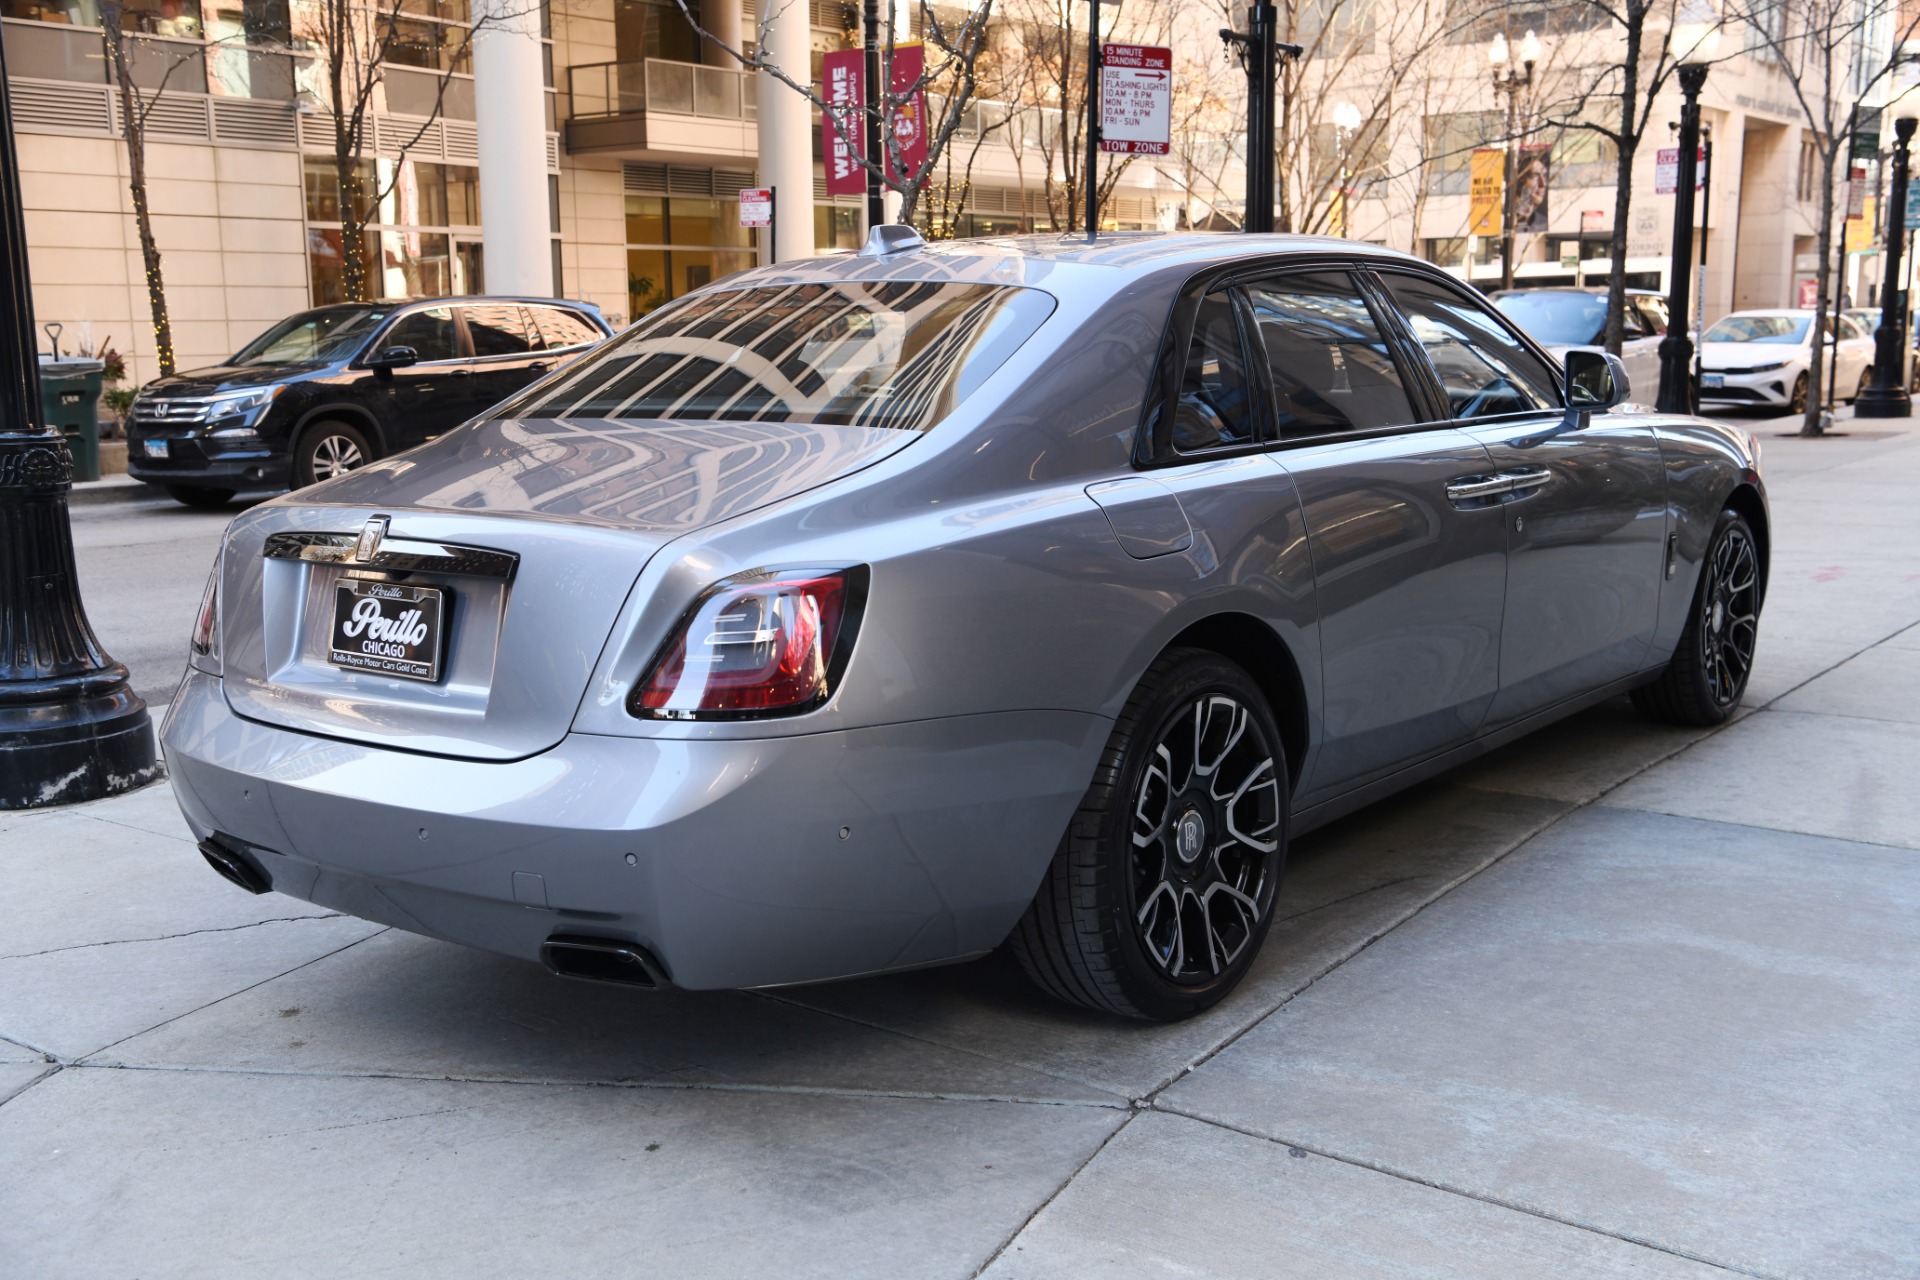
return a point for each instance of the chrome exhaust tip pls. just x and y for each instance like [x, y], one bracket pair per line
[589, 959]
[234, 865]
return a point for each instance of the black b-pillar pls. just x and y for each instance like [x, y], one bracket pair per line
[1887, 397]
[70, 727]
[1676, 349]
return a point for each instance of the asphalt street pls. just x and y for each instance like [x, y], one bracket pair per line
[1617, 1000]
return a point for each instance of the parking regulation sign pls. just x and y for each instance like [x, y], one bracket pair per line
[1136, 99]
[756, 207]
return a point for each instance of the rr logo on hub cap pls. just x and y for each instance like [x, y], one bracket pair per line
[1190, 836]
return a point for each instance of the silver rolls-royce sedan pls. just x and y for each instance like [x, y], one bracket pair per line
[873, 612]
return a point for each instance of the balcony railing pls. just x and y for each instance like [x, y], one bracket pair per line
[604, 90]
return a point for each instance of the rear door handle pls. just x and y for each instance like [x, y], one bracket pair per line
[538, 366]
[1527, 482]
[463, 373]
[1477, 489]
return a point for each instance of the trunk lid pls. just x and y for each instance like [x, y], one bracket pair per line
[533, 531]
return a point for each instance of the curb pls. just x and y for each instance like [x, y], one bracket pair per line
[118, 488]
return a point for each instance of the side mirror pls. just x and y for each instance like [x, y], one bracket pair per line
[1595, 380]
[394, 358]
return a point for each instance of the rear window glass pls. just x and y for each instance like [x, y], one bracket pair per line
[897, 354]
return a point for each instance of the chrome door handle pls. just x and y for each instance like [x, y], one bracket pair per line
[1476, 488]
[538, 366]
[1524, 484]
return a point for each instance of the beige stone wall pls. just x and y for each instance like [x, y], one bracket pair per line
[593, 235]
[228, 221]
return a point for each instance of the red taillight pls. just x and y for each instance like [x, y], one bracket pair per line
[763, 645]
[206, 627]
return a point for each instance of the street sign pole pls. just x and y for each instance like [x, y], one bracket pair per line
[1090, 180]
[71, 727]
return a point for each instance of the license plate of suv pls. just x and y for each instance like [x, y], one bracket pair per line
[156, 448]
[388, 629]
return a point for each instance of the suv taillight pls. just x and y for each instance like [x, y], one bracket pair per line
[763, 644]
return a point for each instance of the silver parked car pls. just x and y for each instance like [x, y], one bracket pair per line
[869, 613]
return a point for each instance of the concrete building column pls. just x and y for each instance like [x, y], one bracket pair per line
[510, 112]
[786, 125]
[721, 18]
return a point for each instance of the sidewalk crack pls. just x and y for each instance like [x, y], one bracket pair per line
[168, 937]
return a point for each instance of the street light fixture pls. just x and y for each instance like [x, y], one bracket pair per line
[1512, 83]
[1696, 41]
[1887, 397]
[1259, 53]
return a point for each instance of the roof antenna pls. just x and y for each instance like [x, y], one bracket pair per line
[890, 238]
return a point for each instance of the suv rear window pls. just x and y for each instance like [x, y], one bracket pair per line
[896, 354]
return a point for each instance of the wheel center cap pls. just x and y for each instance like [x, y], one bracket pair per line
[1190, 836]
[1719, 615]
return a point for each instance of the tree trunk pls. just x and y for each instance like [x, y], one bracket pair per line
[131, 108]
[1811, 424]
[1628, 143]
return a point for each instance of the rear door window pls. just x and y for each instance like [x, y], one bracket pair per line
[1485, 371]
[1332, 371]
[498, 329]
[1215, 408]
[429, 331]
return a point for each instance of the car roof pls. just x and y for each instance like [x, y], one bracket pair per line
[1110, 262]
[455, 299]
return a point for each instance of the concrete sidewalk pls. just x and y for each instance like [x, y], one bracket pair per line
[1617, 1001]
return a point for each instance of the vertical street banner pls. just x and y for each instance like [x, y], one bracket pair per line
[1859, 234]
[1913, 205]
[1530, 173]
[1857, 191]
[842, 75]
[1486, 186]
[908, 119]
[1136, 99]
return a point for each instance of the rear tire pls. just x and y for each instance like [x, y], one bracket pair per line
[329, 449]
[1866, 380]
[1163, 886]
[202, 497]
[1798, 402]
[1707, 677]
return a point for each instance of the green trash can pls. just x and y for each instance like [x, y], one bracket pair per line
[70, 395]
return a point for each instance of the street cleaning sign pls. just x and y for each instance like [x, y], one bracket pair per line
[1136, 99]
[1666, 170]
[756, 207]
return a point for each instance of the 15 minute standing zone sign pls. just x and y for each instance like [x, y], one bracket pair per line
[1136, 99]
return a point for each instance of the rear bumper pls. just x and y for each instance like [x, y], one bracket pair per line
[739, 874]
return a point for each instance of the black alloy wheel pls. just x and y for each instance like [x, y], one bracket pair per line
[1866, 381]
[328, 449]
[1708, 674]
[200, 496]
[1163, 887]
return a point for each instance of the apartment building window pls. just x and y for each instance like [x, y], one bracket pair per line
[178, 19]
[651, 29]
[1448, 251]
[1451, 139]
[422, 238]
[676, 244]
[1809, 171]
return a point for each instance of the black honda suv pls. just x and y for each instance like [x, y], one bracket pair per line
[331, 389]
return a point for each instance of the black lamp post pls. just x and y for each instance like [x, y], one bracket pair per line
[1676, 349]
[1887, 397]
[1511, 83]
[1259, 52]
[70, 727]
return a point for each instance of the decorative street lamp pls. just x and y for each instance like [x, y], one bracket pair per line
[1511, 83]
[70, 727]
[1697, 42]
[1346, 121]
[1887, 397]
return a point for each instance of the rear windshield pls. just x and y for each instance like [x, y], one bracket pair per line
[327, 334]
[1787, 330]
[898, 354]
[1557, 319]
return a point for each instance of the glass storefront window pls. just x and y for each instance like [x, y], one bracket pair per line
[411, 249]
[679, 244]
[836, 227]
[414, 264]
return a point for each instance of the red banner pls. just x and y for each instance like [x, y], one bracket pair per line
[843, 72]
[909, 117]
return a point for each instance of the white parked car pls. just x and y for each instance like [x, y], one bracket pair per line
[1760, 359]
[1563, 319]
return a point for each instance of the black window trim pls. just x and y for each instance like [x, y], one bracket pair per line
[531, 353]
[463, 348]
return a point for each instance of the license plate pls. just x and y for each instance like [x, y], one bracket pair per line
[387, 629]
[156, 448]
[1713, 380]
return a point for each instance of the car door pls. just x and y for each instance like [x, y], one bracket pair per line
[1408, 574]
[421, 400]
[506, 351]
[1584, 508]
[1856, 354]
[1640, 348]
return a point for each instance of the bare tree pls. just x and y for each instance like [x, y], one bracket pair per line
[135, 106]
[1836, 56]
[358, 41]
[949, 78]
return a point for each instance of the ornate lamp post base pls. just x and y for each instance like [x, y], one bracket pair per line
[70, 727]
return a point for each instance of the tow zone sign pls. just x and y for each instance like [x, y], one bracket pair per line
[1136, 99]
